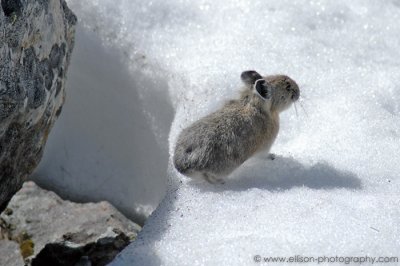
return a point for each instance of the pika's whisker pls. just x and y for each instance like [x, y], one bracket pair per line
[302, 107]
[295, 108]
[303, 97]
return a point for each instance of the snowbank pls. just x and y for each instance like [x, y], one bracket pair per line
[105, 145]
[334, 188]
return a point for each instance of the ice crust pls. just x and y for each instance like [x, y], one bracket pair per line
[334, 188]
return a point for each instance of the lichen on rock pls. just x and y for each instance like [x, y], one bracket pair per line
[37, 38]
[47, 230]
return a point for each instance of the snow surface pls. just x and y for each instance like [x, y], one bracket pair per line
[104, 147]
[334, 188]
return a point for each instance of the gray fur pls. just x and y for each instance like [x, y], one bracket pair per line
[217, 144]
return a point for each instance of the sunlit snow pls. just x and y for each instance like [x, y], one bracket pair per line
[334, 188]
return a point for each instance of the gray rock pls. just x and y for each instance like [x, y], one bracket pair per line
[37, 38]
[9, 254]
[51, 231]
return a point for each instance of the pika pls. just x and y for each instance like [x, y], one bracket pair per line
[214, 146]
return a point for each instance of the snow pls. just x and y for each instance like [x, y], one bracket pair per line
[103, 146]
[334, 188]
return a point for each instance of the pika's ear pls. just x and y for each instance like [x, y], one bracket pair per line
[249, 77]
[263, 89]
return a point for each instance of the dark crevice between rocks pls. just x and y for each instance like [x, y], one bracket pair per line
[3, 205]
[11, 7]
[100, 253]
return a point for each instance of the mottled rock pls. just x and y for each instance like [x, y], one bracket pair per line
[9, 254]
[37, 38]
[51, 231]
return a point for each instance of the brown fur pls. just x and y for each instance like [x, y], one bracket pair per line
[217, 144]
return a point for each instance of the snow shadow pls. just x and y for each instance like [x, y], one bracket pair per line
[286, 173]
[277, 175]
[112, 131]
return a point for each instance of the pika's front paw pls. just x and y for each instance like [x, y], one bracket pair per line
[213, 180]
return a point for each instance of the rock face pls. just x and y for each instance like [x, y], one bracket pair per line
[37, 38]
[46, 230]
[9, 253]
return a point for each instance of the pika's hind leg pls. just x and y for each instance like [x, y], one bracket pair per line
[212, 179]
